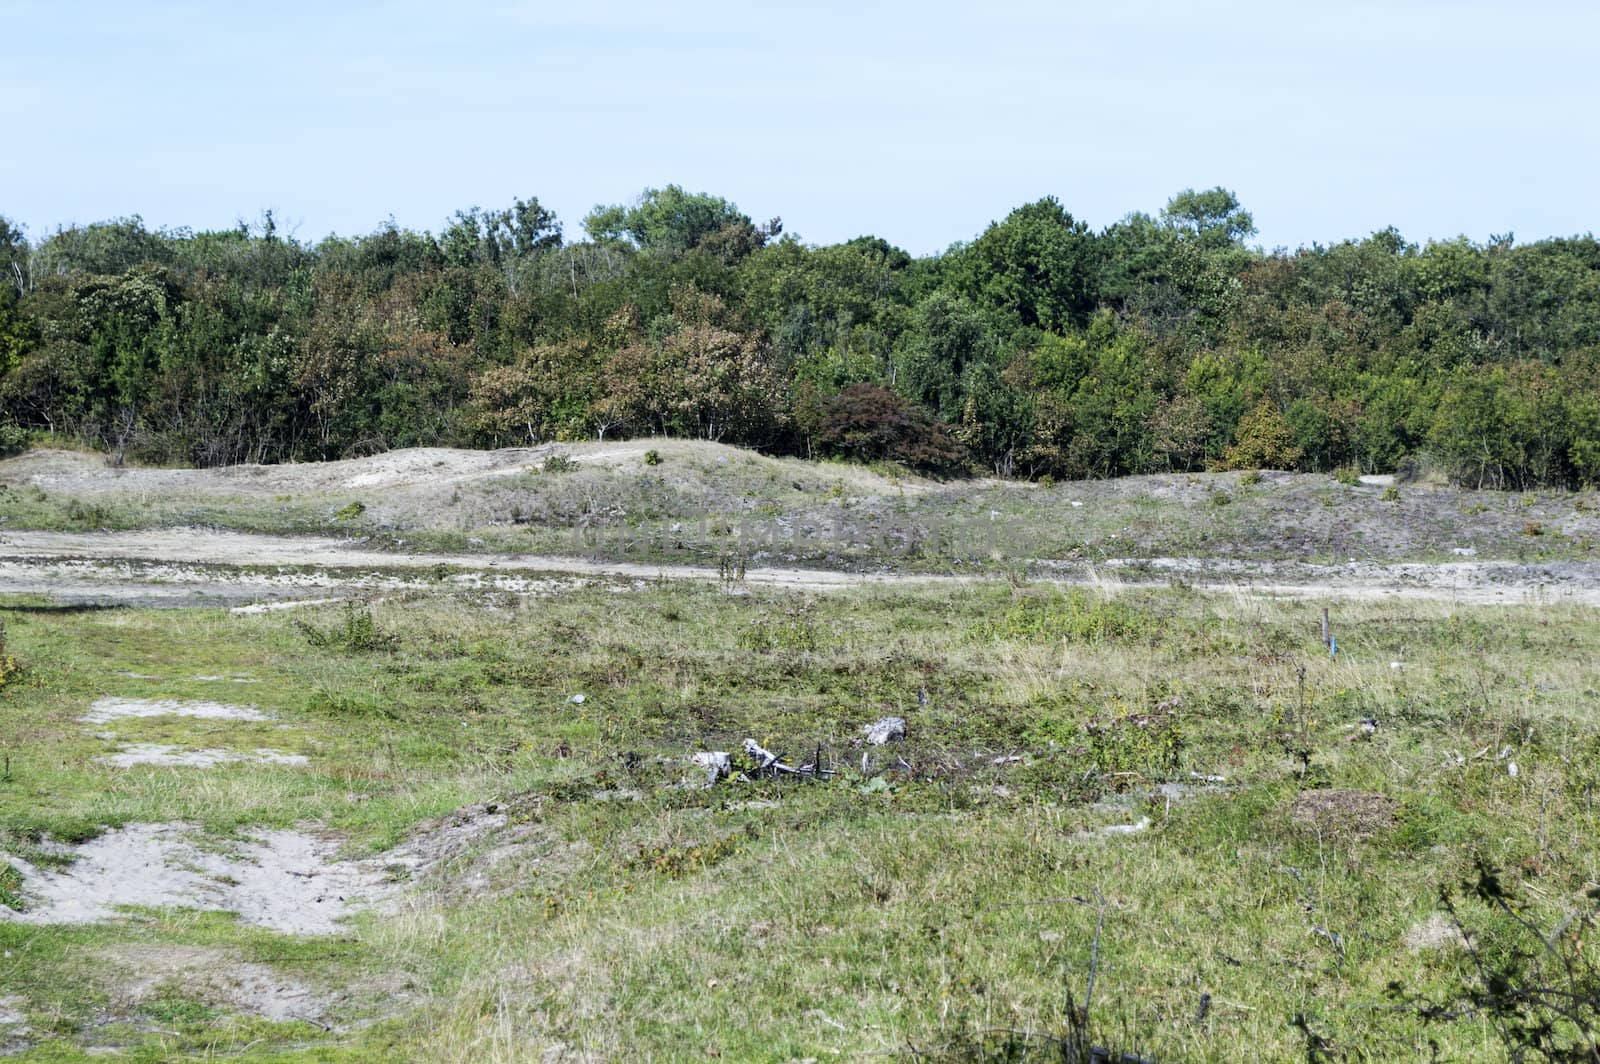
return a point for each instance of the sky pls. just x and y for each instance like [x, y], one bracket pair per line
[917, 122]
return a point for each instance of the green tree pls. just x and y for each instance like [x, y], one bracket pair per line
[674, 222]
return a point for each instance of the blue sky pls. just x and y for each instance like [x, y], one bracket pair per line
[919, 122]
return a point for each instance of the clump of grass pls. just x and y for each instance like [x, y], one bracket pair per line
[356, 631]
[677, 861]
[791, 630]
[1349, 476]
[652, 457]
[10, 667]
[350, 511]
[1144, 743]
[1390, 494]
[1532, 528]
[1074, 617]
[560, 462]
[11, 888]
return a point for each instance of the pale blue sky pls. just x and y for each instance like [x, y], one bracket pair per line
[919, 122]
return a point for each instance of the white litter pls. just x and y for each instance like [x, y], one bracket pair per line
[889, 729]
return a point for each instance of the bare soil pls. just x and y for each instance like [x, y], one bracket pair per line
[185, 567]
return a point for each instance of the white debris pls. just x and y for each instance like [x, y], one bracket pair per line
[577, 700]
[106, 710]
[1511, 769]
[1142, 824]
[1076, 505]
[1006, 760]
[1397, 664]
[755, 750]
[889, 729]
[1464, 552]
[716, 763]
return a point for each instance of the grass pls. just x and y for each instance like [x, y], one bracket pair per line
[924, 906]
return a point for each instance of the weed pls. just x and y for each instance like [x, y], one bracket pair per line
[1074, 616]
[356, 631]
[1349, 476]
[559, 462]
[1390, 494]
[10, 667]
[677, 861]
[1532, 528]
[652, 457]
[11, 888]
[350, 511]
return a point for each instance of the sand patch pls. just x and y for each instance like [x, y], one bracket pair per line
[288, 881]
[1434, 933]
[132, 754]
[257, 608]
[106, 710]
[216, 977]
[1341, 813]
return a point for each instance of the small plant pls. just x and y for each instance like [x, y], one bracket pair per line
[652, 457]
[1390, 494]
[1073, 617]
[676, 862]
[792, 631]
[1349, 476]
[1220, 498]
[87, 515]
[1148, 743]
[11, 888]
[13, 440]
[350, 512]
[1250, 478]
[357, 631]
[1539, 989]
[560, 462]
[10, 667]
[1047, 481]
[1532, 528]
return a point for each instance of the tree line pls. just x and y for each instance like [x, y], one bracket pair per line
[1039, 348]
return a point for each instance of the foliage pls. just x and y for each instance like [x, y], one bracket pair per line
[869, 424]
[355, 631]
[10, 666]
[1264, 441]
[1043, 346]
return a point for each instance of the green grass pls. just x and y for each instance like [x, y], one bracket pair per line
[628, 917]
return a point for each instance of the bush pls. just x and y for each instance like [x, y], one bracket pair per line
[13, 440]
[868, 423]
[652, 457]
[560, 463]
[1264, 441]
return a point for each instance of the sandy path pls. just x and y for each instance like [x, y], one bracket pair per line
[181, 567]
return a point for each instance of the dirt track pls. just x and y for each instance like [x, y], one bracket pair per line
[178, 567]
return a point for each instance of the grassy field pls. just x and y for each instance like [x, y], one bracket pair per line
[599, 903]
